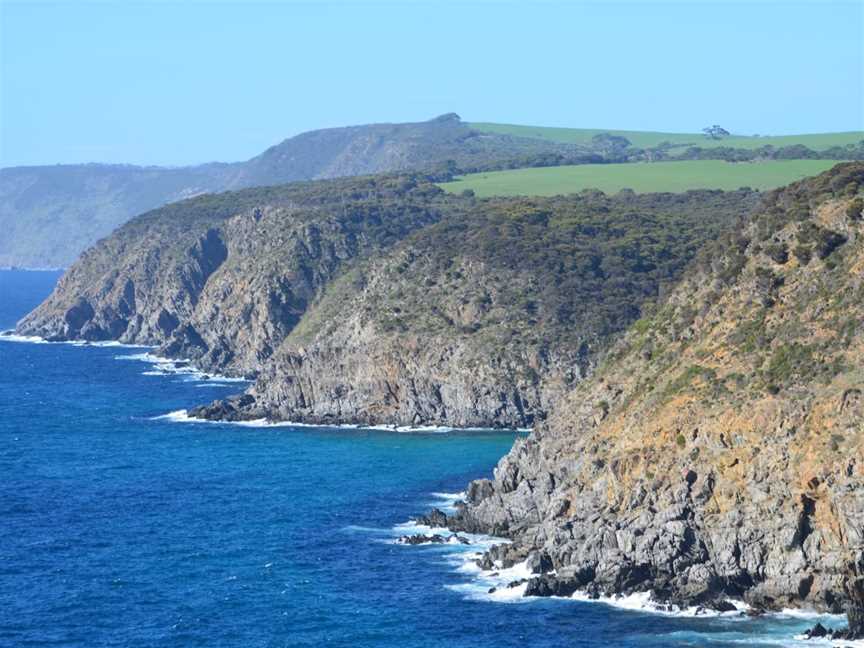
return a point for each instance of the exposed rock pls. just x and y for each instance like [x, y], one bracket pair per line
[436, 518]
[817, 632]
[721, 605]
[726, 463]
[548, 585]
[539, 562]
[236, 408]
[421, 539]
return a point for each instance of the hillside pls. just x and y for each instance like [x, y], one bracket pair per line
[717, 452]
[49, 215]
[641, 177]
[385, 300]
[651, 139]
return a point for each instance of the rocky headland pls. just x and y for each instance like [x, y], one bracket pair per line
[718, 451]
[384, 300]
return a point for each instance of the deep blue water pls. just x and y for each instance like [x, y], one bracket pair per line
[120, 530]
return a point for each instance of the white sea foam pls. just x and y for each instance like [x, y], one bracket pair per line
[10, 336]
[462, 559]
[180, 368]
[6, 336]
[182, 416]
[430, 429]
[801, 640]
[802, 613]
[178, 416]
[455, 497]
[643, 602]
[446, 501]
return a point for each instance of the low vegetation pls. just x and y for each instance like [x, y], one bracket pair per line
[532, 273]
[646, 177]
[680, 141]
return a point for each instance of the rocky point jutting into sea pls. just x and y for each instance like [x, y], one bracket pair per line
[385, 300]
[718, 452]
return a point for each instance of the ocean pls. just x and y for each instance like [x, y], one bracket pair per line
[120, 526]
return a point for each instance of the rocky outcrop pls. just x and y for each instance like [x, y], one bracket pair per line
[719, 450]
[385, 300]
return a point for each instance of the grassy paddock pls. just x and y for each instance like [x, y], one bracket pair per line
[649, 139]
[641, 177]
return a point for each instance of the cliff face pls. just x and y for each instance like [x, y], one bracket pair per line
[50, 214]
[385, 300]
[719, 450]
[405, 340]
[485, 318]
[221, 279]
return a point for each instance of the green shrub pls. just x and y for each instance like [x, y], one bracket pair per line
[803, 253]
[777, 252]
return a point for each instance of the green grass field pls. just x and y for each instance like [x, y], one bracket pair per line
[641, 177]
[648, 139]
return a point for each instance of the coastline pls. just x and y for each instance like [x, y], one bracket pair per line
[182, 416]
[518, 554]
[463, 560]
[503, 580]
[165, 366]
[505, 584]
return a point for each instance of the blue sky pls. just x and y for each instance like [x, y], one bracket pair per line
[181, 83]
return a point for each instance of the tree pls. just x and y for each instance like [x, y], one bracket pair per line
[715, 132]
[610, 146]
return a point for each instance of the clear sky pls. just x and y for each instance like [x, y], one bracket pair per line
[180, 83]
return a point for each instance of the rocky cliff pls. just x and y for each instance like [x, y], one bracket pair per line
[485, 318]
[385, 300]
[50, 214]
[719, 449]
[222, 278]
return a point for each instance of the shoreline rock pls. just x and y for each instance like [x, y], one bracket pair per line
[421, 539]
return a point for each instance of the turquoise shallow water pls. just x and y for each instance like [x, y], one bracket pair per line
[121, 529]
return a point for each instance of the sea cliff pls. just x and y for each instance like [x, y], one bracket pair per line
[386, 300]
[718, 451]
